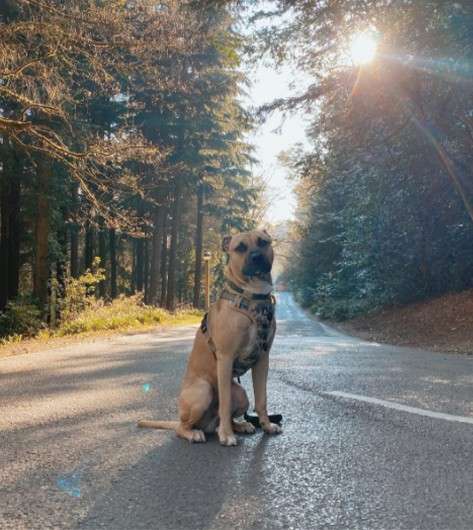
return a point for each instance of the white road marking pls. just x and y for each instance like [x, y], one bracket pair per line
[403, 408]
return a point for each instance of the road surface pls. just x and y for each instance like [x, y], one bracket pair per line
[375, 437]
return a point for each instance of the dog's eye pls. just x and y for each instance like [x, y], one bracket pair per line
[262, 242]
[241, 247]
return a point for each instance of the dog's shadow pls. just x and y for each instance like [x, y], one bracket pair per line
[180, 485]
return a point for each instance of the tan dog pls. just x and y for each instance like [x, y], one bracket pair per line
[236, 335]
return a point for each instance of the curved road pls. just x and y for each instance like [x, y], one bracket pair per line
[375, 437]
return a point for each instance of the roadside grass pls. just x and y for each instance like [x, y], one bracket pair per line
[125, 314]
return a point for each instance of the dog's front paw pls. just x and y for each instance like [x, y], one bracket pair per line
[227, 438]
[271, 428]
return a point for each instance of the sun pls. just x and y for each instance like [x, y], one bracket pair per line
[363, 48]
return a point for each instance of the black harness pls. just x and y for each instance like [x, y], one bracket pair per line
[260, 309]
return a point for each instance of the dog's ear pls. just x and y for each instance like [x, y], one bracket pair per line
[268, 234]
[226, 243]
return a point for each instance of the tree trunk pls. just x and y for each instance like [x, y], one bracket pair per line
[176, 219]
[164, 261]
[199, 236]
[113, 263]
[146, 269]
[41, 264]
[61, 268]
[74, 235]
[89, 250]
[133, 264]
[139, 261]
[10, 230]
[156, 252]
[4, 243]
[15, 234]
[103, 256]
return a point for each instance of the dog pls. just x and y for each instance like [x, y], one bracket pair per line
[236, 335]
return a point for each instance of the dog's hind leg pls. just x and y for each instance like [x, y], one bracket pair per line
[194, 401]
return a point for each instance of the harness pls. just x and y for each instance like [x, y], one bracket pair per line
[259, 308]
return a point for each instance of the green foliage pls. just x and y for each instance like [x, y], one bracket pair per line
[137, 109]
[122, 314]
[79, 292]
[21, 318]
[380, 218]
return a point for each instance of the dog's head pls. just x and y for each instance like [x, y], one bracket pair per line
[250, 253]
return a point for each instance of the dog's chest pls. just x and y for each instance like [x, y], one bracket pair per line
[261, 335]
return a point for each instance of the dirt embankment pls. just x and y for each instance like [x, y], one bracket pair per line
[441, 324]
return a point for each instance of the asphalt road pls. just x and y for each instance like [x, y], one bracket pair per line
[71, 456]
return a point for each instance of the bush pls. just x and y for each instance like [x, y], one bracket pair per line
[79, 292]
[81, 312]
[122, 314]
[20, 318]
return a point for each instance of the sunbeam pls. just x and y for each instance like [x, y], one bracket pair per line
[448, 68]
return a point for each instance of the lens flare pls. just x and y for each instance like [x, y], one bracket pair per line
[363, 48]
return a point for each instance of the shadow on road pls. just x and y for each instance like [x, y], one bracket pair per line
[162, 487]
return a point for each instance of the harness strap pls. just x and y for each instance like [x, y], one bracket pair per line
[239, 303]
[247, 294]
[204, 327]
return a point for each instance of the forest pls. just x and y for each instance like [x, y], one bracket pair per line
[385, 187]
[123, 154]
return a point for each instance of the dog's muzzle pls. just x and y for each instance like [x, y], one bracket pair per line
[256, 264]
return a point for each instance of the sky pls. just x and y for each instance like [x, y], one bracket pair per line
[281, 134]
[277, 134]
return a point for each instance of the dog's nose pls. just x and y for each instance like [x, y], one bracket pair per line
[255, 256]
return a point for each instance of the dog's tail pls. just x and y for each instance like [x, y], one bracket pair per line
[151, 424]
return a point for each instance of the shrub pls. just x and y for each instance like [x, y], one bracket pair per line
[121, 314]
[79, 292]
[20, 318]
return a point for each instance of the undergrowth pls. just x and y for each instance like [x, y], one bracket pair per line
[123, 314]
[81, 312]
